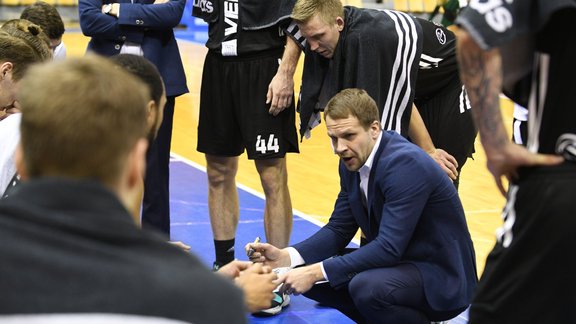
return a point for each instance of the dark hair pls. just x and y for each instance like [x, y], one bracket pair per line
[144, 70]
[45, 15]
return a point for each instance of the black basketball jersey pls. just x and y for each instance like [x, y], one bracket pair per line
[231, 30]
[438, 67]
[537, 40]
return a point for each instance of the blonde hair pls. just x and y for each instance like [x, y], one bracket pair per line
[353, 102]
[18, 52]
[81, 118]
[327, 10]
[31, 34]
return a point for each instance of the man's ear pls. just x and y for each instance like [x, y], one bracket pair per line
[340, 23]
[137, 163]
[5, 67]
[20, 164]
[151, 112]
[375, 129]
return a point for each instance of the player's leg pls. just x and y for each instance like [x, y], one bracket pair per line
[267, 140]
[223, 205]
[219, 137]
[278, 210]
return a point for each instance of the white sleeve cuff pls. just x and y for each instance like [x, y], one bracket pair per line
[324, 271]
[295, 257]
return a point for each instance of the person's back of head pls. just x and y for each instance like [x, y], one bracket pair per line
[31, 34]
[146, 72]
[46, 16]
[81, 119]
[142, 68]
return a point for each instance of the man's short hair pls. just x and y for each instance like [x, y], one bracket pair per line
[144, 70]
[45, 15]
[81, 118]
[18, 52]
[327, 10]
[353, 103]
[32, 34]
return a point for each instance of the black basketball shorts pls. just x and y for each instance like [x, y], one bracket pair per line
[449, 122]
[529, 274]
[233, 111]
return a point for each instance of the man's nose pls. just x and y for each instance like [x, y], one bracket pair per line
[313, 45]
[340, 147]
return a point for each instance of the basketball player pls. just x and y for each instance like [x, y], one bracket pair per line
[246, 103]
[529, 274]
[398, 60]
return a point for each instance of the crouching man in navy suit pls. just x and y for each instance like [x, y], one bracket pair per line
[417, 261]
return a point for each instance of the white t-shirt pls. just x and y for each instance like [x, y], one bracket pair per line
[60, 52]
[9, 138]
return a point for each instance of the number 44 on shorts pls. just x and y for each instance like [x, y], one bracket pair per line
[263, 147]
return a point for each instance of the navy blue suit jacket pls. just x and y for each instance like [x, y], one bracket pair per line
[414, 215]
[141, 22]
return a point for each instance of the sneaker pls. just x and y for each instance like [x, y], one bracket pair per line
[280, 271]
[280, 301]
[216, 266]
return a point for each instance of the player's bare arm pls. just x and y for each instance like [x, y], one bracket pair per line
[420, 136]
[481, 73]
[281, 88]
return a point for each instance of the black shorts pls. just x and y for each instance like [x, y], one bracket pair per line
[530, 273]
[233, 111]
[449, 122]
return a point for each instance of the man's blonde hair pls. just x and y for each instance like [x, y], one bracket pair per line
[81, 118]
[18, 52]
[353, 103]
[31, 34]
[327, 10]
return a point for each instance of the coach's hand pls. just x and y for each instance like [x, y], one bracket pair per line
[268, 255]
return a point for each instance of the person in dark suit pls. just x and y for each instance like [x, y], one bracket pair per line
[417, 262]
[144, 27]
[78, 250]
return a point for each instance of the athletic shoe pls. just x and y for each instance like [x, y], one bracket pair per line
[216, 266]
[280, 300]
